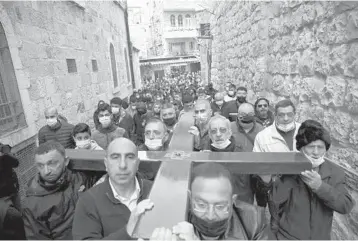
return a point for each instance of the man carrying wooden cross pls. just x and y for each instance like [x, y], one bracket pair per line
[214, 212]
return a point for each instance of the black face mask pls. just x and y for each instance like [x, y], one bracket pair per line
[141, 111]
[247, 119]
[241, 99]
[169, 121]
[207, 228]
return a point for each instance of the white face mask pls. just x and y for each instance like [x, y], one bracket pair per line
[115, 110]
[286, 127]
[134, 107]
[202, 118]
[105, 121]
[154, 144]
[51, 122]
[219, 103]
[83, 144]
[315, 161]
[221, 145]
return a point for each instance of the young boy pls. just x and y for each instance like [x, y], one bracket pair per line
[82, 136]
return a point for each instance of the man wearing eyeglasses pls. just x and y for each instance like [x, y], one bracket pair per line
[215, 213]
[262, 113]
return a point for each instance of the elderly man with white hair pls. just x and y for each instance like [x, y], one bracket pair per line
[222, 140]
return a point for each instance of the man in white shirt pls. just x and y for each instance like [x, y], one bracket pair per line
[110, 210]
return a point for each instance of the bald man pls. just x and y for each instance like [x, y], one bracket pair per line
[110, 210]
[245, 128]
[218, 103]
[56, 130]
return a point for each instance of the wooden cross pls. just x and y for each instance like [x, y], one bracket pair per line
[169, 192]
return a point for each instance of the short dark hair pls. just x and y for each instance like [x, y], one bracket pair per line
[232, 86]
[259, 99]
[101, 102]
[81, 128]
[50, 146]
[242, 88]
[125, 104]
[284, 103]
[310, 131]
[116, 100]
[132, 99]
[104, 107]
[211, 170]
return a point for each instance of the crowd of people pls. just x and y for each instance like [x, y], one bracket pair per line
[61, 203]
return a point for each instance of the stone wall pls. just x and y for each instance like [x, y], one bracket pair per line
[305, 51]
[42, 35]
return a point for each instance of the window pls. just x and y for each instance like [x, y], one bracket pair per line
[180, 21]
[188, 20]
[113, 64]
[127, 65]
[11, 111]
[94, 65]
[71, 65]
[172, 20]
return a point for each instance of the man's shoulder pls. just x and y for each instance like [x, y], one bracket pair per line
[248, 211]
[45, 128]
[66, 125]
[265, 131]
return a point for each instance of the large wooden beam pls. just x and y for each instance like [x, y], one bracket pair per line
[237, 162]
[169, 191]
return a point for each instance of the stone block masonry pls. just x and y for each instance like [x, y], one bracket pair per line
[40, 36]
[303, 50]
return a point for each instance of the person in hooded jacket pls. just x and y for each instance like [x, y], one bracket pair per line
[52, 194]
[107, 131]
[121, 118]
[302, 206]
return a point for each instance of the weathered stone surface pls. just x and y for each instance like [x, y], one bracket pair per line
[311, 57]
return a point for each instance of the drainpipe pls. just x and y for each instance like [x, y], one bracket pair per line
[130, 49]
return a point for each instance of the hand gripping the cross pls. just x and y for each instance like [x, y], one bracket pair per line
[196, 133]
[181, 231]
[141, 208]
[312, 179]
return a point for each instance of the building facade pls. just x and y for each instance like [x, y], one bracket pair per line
[65, 54]
[173, 43]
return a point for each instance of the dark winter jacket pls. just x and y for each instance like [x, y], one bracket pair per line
[245, 141]
[242, 182]
[217, 109]
[104, 136]
[11, 223]
[300, 213]
[231, 107]
[100, 216]
[61, 132]
[267, 121]
[126, 122]
[139, 124]
[48, 210]
[149, 170]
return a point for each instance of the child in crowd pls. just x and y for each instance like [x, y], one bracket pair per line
[82, 136]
